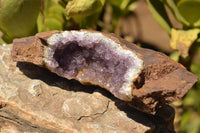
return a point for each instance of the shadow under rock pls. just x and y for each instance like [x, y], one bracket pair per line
[35, 72]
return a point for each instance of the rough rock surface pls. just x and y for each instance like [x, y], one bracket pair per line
[160, 82]
[32, 99]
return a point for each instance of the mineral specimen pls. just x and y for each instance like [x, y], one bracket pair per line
[95, 59]
[144, 77]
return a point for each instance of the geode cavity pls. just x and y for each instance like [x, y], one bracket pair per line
[95, 59]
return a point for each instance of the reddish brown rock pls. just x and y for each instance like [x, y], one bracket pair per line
[161, 80]
[31, 49]
[32, 99]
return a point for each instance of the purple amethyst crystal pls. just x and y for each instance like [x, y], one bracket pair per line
[95, 59]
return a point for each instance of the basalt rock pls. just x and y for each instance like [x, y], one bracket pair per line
[145, 78]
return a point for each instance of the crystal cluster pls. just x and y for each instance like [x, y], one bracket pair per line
[93, 58]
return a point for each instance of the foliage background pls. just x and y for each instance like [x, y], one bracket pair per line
[20, 18]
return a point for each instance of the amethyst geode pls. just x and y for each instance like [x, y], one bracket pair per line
[145, 78]
[95, 59]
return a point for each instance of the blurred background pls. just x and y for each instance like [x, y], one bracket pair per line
[168, 26]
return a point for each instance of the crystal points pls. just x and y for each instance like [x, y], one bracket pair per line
[95, 59]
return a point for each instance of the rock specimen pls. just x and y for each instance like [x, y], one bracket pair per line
[145, 78]
[32, 99]
[95, 59]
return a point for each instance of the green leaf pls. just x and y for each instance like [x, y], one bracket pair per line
[119, 9]
[63, 3]
[89, 21]
[80, 9]
[52, 17]
[56, 9]
[181, 40]
[116, 3]
[18, 18]
[195, 66]
[190, 10]
[53, 24]
[158, 11]
[56, 16]
[190, 98]
[132, 6]
[190, 122]
[185, 119]
[175, 56]
[173, 7]
[123, 5]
